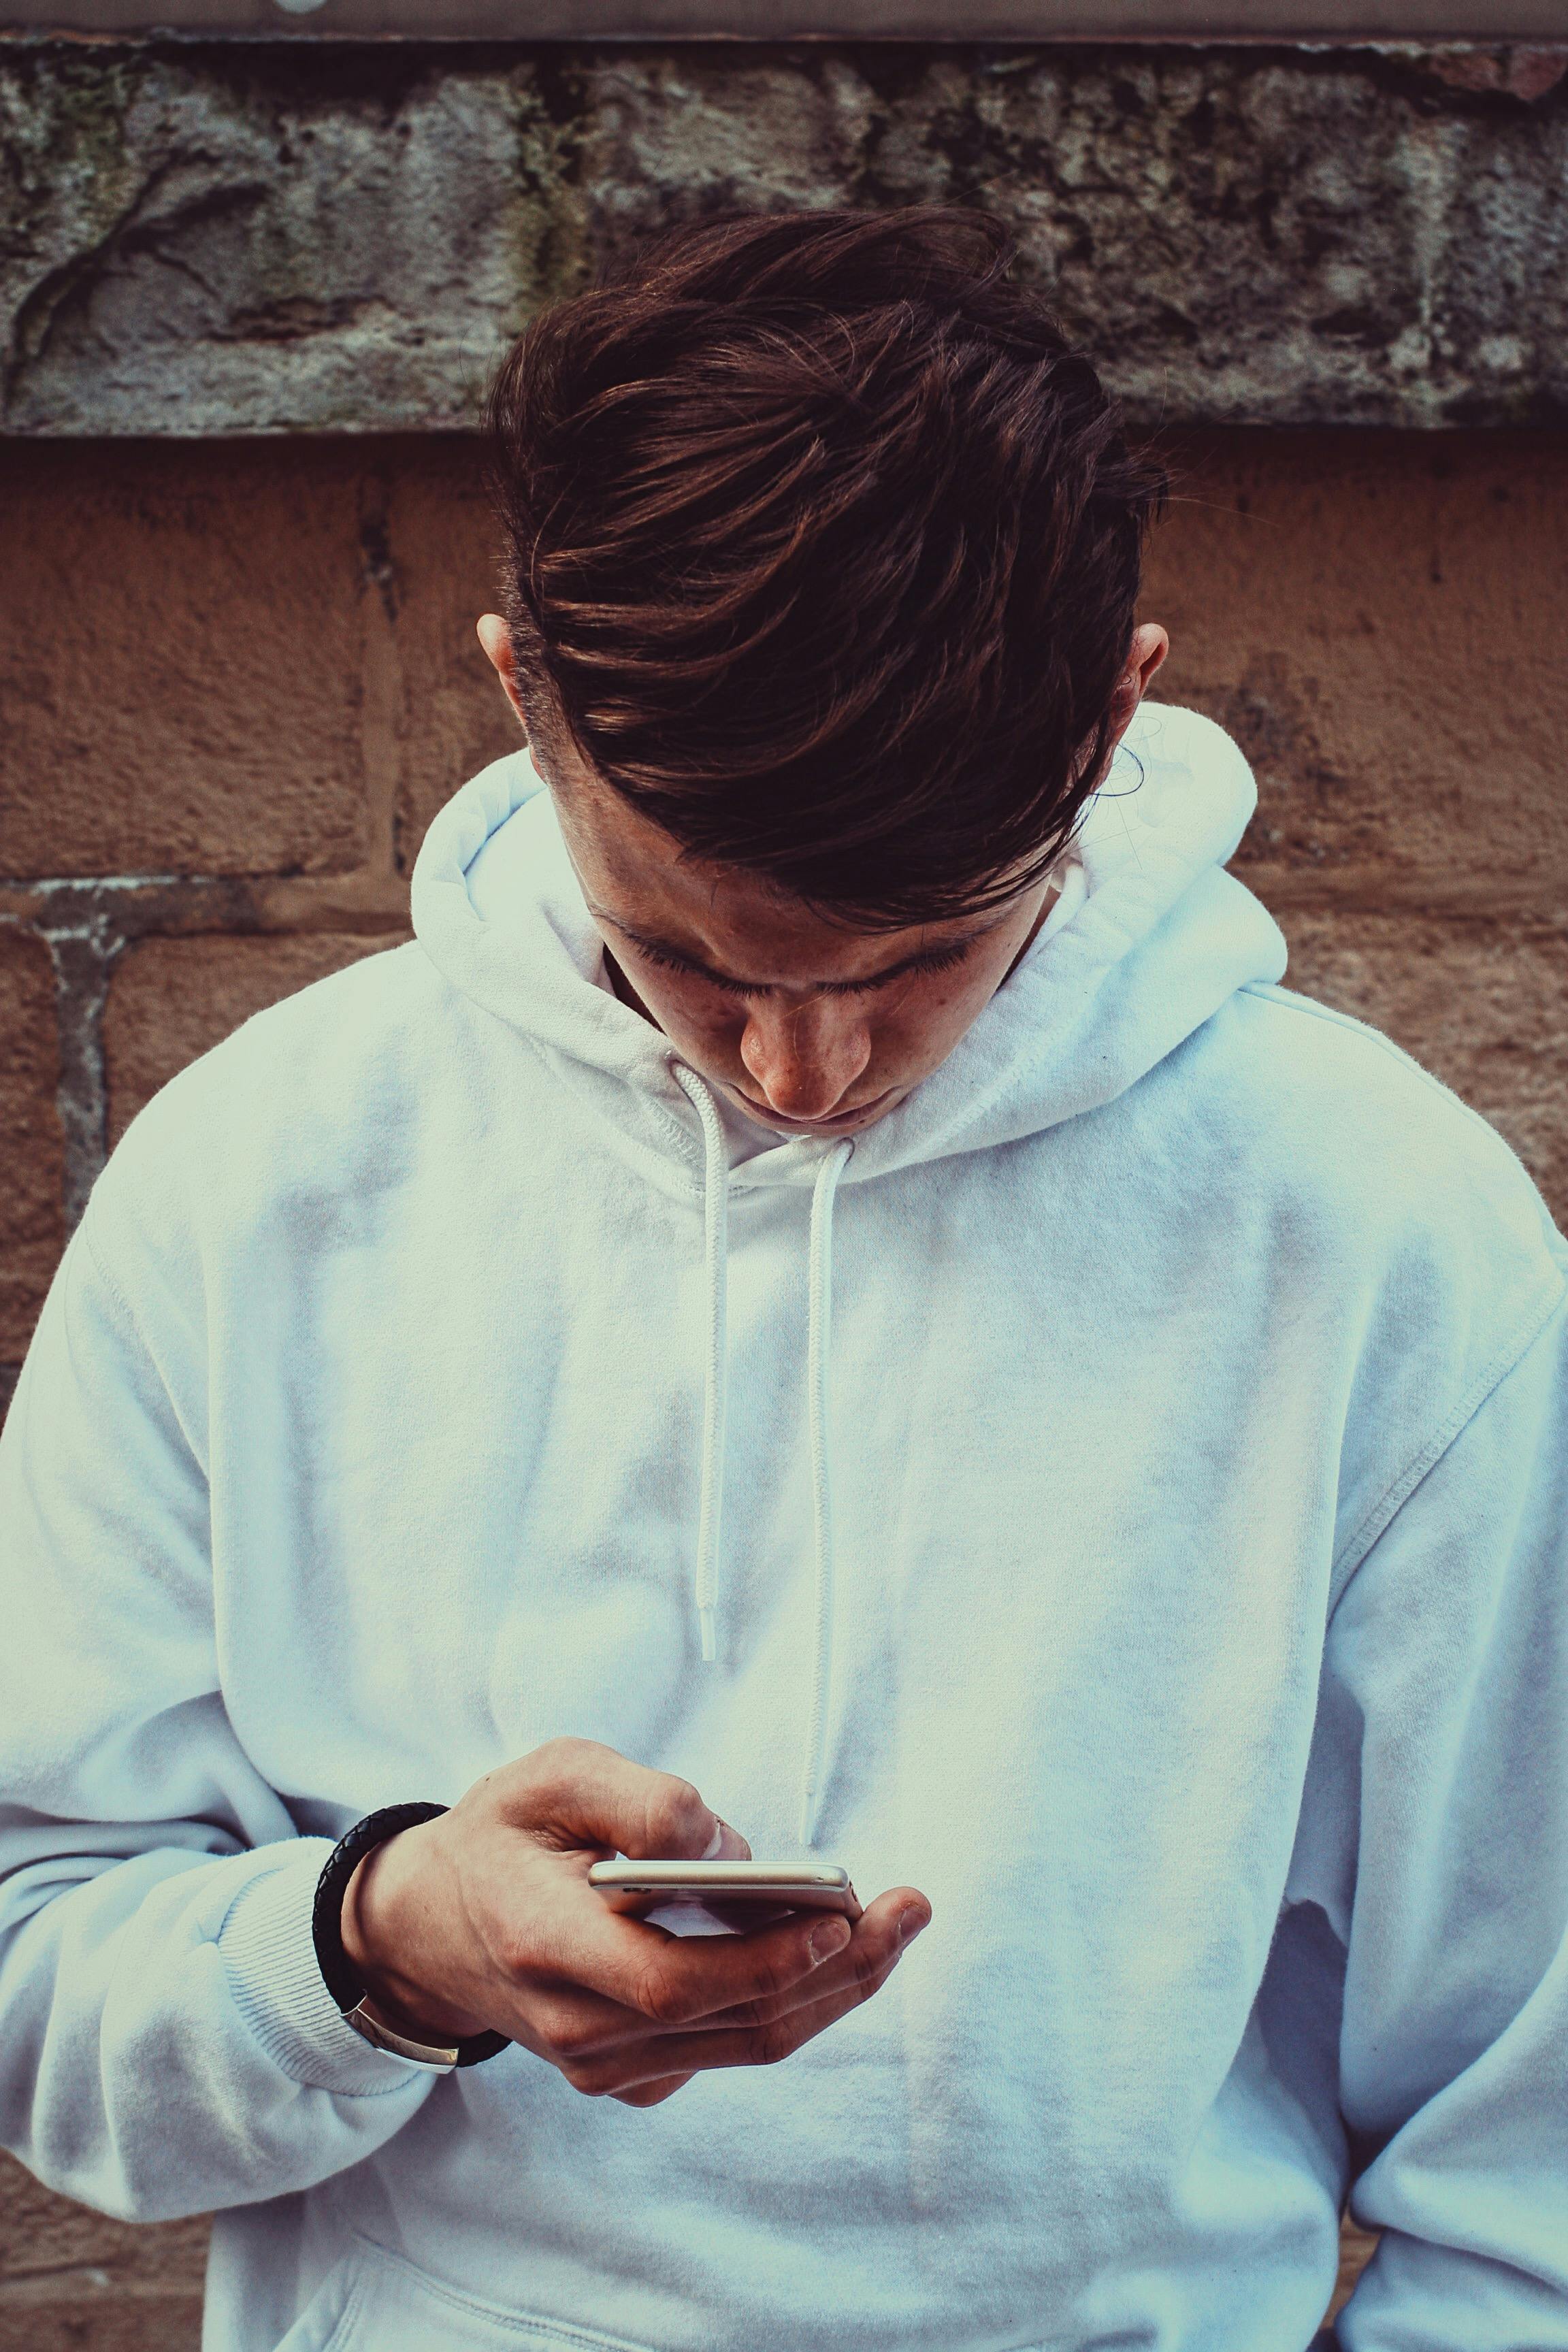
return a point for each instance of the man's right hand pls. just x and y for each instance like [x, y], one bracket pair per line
[484, 1918]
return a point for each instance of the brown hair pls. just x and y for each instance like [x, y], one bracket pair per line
[824, 544]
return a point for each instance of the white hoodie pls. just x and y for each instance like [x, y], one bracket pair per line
[1121, 1497]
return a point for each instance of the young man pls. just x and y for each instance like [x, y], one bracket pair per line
[829, 1291]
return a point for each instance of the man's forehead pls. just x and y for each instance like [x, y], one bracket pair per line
[862, 955]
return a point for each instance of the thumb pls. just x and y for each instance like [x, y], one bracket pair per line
[584, 1794]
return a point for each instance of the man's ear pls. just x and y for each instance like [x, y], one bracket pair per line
[1149, 648]
[495, 639]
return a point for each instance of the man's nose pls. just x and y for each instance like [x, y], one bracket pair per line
[805, 1058]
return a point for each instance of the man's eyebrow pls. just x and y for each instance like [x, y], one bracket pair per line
[957, 944]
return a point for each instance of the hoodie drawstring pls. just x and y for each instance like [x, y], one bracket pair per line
[818, 1345]
[818, 1355]
[715, 1388]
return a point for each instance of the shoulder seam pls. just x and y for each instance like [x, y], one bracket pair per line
[1359, 1543]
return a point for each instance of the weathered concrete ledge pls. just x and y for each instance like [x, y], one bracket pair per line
[211, 239]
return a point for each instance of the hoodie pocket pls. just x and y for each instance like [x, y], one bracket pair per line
[377, 2301]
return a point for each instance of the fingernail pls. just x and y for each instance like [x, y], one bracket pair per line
[910, 1925]
[714, 1842]
[830, 1938]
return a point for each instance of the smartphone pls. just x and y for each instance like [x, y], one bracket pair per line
[722, 1898]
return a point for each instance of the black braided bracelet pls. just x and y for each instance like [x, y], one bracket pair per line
[337, 1972]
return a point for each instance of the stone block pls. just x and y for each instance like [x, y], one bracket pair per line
[325, 239]
[180, 662]
[85, 2318]
[74, 2279]
[202, 238]
[171, 1000]
[32, 1229]
[1377, 618]
[1483, 1006]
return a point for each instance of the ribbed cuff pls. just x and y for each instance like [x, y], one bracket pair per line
[266, 1945]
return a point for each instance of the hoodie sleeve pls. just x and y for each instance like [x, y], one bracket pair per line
[166, 2044]
[1435, 1838]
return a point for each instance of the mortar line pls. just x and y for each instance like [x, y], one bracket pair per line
[380, 678]
[239, 905]
[83, 955]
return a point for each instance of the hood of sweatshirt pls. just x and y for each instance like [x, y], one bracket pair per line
[1148, 937]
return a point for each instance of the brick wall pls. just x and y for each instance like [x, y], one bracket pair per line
[240, 675]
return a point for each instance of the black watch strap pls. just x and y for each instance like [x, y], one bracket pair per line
[337, 1972]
